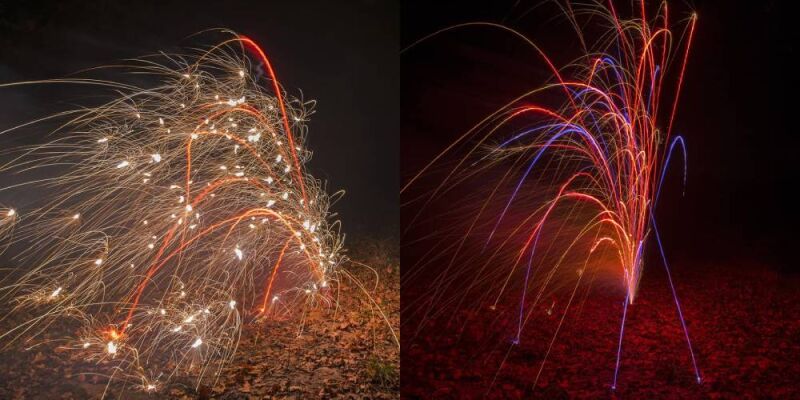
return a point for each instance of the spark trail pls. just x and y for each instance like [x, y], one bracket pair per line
[175, 212]
[550, 190]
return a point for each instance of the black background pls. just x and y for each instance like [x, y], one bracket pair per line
[737, 112]
[342, 54]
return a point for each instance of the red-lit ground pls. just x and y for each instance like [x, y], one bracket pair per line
[744, 322]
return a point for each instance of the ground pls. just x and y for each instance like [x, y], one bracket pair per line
[347, 353]
[744, 323]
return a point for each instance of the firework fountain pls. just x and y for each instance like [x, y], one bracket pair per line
[547, 194]
[179, 211]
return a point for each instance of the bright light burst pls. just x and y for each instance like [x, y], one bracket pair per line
[542, 191]
[177, 210]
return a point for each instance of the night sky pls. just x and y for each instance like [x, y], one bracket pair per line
[735, 112]
[344, 55]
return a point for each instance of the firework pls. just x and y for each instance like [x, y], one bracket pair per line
[543, 194]
[178, 210]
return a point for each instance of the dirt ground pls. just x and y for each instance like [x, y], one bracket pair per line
[347, 352]
[744, 322]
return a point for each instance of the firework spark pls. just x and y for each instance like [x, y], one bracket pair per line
[179, 209]
[552, 191]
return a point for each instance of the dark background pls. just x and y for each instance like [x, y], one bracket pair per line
[342, 54]
[736, 112]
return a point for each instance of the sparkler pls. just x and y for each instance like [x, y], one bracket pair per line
[179, 210]
[549, 190]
